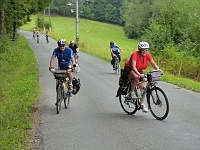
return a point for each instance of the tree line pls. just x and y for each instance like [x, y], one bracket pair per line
[15, 13]
[160, 22]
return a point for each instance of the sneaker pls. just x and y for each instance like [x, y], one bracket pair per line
[144, 109]
[70, 88]
[133, 95]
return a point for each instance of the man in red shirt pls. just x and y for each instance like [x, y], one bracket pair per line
[136, 64]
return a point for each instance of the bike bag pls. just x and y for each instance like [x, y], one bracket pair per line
[154, 75]
[76, 85]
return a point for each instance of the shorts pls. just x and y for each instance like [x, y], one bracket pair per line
[127, 70]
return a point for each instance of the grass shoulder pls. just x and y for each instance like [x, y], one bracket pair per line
[20, 90]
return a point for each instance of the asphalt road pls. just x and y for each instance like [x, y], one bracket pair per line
[95, 120]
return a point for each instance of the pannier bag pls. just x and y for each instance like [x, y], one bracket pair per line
[76, 85]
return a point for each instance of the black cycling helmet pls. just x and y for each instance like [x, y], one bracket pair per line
[61, 42]
[111, 42]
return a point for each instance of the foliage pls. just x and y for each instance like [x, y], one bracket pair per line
[17, 12]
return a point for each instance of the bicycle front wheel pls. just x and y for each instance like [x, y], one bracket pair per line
[67, 99]
[158, 103]
[118, 68]
[59, 98]
[77, 68]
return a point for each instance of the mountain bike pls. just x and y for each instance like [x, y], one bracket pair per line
[77, 68]
[116, 64]
[62, 77]
[156, 98]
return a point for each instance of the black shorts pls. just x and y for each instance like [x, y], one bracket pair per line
[127, 70]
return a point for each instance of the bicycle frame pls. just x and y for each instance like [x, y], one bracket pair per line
[62, 77]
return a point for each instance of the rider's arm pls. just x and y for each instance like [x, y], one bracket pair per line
[52, 62]
[133, 66]
[121, 52]
[154, 65]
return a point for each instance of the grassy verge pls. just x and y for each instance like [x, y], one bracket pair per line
[95, 38]
[19, 91]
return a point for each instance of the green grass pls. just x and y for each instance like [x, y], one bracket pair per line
[19, 91]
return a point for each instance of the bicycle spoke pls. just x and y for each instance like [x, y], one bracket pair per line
[127, 104]
[158, 103]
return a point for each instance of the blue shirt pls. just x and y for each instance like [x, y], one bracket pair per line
[115, 49]
[64, 59]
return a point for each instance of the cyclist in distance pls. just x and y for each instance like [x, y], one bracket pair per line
[115, 50]
[47, 36]
[74, 48]
[65, 58]
[134, 68]
[34, 33]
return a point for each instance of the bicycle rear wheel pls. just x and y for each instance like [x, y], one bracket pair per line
[67, 99]
[59, 98]
[158, 103]
[127, 102]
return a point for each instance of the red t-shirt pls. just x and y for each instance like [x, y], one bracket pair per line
[137, 57]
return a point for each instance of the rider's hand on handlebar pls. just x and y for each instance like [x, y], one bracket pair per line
[52, 69]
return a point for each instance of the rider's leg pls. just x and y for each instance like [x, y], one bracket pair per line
[70, 82]
[142, 85]
[132, 75]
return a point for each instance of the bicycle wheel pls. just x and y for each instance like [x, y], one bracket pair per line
[59, 98]
[127, 103]
[118, 67]
[158, 103]
[67, 99]
[77, 68]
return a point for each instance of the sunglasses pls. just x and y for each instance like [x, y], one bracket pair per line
[144, 50]
[62, 46]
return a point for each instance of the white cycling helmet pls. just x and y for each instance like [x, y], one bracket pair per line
[143, 44]
[61, 42]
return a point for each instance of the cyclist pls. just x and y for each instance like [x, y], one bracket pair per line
[34, 33]
[135, 65]
[115, 50]
[38, 35]
[75, 49]
[65, 58]
[47, 35]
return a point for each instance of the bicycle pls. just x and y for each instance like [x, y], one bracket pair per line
[156, 97]
[38, 39]
[47, 38]
[62, 88]
[77, 68]
[116, 64]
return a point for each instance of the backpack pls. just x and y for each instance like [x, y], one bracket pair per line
[76, 85]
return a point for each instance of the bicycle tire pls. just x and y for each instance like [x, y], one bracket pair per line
[118, 67]
[77, 68]
[66, 100]
[157, 100]
[127, 104]
[59, 98]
